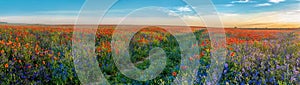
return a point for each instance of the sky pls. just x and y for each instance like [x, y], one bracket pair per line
[233, 13]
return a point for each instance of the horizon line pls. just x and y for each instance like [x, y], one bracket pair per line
[227, 27]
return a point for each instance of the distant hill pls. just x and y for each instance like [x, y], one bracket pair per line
[3, 23]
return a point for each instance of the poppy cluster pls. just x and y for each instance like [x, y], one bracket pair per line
[32, 54]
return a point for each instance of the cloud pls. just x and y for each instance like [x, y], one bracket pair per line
[263, 5]
[184, 9]
[228, 14]
[242, 1]
[289, 16]
[172, 13]
[276, 1]
[180, 11]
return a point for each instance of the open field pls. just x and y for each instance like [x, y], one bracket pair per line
[38, 54]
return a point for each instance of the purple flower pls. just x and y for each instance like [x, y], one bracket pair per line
[296, 72]
[277, 45]
[226, 65]
[225, 71]
[288, 56]
[277, 67]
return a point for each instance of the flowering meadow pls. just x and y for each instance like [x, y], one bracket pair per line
[39, 54]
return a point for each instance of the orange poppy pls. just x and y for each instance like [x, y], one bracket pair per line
[98, 49]
[58, 54]
[2, 51]
[230, 48]
[6, 65]
[202, 54]
[2, 42]
[143, 40]
[41, 54]
[19, 44]
[44, 62]
[55, 58]
[232, 54]
[174, 74]
[27, 45]
[17, 39]
[9, 43]
[191, 59]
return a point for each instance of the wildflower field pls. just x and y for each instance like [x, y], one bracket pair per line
[38, 54]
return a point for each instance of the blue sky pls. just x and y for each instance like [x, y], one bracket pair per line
[11, 10]
[30, 7]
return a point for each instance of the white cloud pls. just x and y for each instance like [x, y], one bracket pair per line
[172, 13]
[263, 4]
[276, 1]
[242, 1]
[180, 11]
[228, 14]
[184, 9]
[289, 16]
